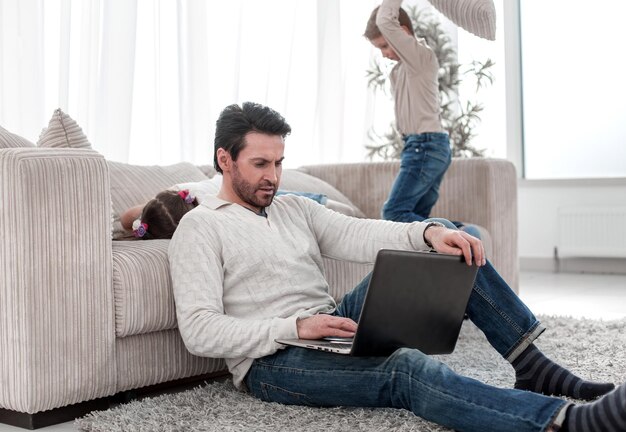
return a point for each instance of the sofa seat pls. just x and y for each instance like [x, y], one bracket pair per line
[142, 289]
[145, 319]
[158, 357]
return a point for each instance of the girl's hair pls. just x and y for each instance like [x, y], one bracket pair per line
[372, 31]
[163, 213]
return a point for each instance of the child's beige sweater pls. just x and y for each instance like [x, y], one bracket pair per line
[414, 79]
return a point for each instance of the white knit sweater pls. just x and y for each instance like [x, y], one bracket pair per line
[240, 280]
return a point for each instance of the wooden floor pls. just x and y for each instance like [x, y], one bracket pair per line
[577, 295]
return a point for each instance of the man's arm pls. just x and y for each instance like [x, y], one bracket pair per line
[348, 238]
[340, 207]
[359, 240]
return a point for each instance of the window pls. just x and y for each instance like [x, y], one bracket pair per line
[147, 79]
[574, 91]
[491, 130]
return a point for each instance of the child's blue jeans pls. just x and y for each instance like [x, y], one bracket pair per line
[424, 161]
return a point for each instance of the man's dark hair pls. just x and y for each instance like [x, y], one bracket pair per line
[235, 122]
[372, 31]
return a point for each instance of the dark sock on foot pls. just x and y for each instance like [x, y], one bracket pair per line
[607, 414]
[537, 373]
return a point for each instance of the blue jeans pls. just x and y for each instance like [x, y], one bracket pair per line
[424, 160]
[412, 380]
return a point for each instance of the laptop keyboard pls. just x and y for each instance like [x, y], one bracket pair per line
[338, 345]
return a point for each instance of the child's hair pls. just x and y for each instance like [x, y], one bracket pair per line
[161, 215]
[372, 31]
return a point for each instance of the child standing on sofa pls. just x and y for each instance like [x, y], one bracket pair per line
[415, 87]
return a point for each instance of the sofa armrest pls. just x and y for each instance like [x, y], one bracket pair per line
[477, 190]
[484, 192]
[57, 332]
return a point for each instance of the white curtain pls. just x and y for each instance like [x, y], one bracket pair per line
[146, 79]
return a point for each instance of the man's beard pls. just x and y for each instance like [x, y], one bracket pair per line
[247, 191]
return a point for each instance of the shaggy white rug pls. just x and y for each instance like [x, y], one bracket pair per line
[595, 350]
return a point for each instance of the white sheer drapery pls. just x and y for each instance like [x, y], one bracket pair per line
[146, 79]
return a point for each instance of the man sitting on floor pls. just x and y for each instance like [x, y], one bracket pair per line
[247, 269]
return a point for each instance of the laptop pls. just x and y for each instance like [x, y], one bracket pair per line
[414, 300]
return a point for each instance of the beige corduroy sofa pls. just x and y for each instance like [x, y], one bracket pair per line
[86, 314]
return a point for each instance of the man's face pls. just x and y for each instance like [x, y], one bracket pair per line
[381, 43]
[256, 173]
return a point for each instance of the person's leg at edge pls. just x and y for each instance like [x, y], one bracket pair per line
[511, 329]
[419, 171]
[607, 414]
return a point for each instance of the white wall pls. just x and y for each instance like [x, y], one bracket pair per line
[539, 201]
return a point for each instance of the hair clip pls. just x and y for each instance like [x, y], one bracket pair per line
[186, 196]
[140, 229]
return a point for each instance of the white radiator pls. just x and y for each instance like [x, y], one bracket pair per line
[592, 232]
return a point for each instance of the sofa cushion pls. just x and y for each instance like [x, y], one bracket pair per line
[11, 140]
[141, 287]
[63, 132]
[132, 185]
[207, 170]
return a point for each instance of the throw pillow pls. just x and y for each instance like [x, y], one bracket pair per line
[207, 170]
[132, 185]
[63, 131]
[298, 181]
[10, 140]
[475, 16]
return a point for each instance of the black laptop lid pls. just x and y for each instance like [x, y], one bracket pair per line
[415, 300]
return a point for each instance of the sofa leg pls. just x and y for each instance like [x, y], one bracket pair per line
[180, 384]
[71, 412]
[53, 416]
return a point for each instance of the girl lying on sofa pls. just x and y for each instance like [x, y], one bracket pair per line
[159, 217]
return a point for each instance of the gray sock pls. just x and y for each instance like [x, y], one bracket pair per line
[537, 373]
[607, 414]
